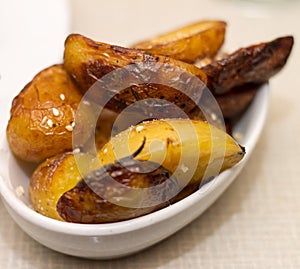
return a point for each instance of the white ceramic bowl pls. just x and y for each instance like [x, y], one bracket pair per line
[103, 241]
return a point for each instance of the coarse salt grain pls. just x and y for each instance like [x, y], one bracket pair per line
[139, 128]
[237, 136]
[62, 96]
[55, 111]
[50, 123]
[184, 168]
[213, 116]
[69, 128]
[44, 120]
[77, 150]
[20, 191]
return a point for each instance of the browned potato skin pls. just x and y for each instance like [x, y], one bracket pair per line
[43, 116]
[192, 42]
[87, 60]
[234, 102]
[254, 64]
[83, 204]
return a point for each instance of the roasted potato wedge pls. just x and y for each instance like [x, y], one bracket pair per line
[87, 61]
[55, 178]
[43, 116]
[198, 40]
[254, 64]
[172, 142]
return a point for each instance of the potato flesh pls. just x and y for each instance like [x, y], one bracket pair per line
[195, 41]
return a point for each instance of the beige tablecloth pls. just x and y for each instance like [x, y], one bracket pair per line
[256, 222]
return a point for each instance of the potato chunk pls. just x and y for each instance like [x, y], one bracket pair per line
[43, 116]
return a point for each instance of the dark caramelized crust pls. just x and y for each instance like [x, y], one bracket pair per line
[101, 196]
[255, 64]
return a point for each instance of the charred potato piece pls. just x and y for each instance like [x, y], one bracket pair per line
[43, 116]
[87, 61]
[99, 198]
[254, 64]
[237, 100]
[53, 186]
[198, 40]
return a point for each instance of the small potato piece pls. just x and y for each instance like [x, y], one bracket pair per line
[43, 116]
[254, 64]
[192, 42]
[87, 61]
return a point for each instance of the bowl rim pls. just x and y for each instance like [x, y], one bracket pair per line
[125, 226]
[12, 200]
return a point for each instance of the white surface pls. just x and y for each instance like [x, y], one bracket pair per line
[255, 223]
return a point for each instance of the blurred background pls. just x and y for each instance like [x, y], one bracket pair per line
[126, 22]
[256, 222]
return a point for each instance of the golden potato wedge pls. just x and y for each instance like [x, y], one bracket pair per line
[87, 61]
[192, 42]
[254, 64]
[43, 116]
[54, 186]
[176, 142]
